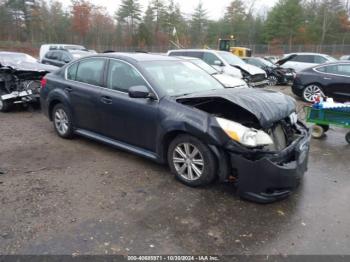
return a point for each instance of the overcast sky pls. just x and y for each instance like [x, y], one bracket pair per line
[215, 8]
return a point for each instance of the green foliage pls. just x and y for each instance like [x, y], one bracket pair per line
[289, 22]
[284, 21]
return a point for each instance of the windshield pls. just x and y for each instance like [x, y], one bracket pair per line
[16, 58]
[231, 59]
[330, 58]
[265, 62]
[178, 78]
[203, 65]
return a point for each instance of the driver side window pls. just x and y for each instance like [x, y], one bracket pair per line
[122, 76]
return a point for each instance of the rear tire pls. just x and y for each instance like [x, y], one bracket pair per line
[317, 132]
[62, 121]
[191, 161]
[310, 93]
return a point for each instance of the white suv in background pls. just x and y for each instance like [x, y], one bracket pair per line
[301, 61]
[228, 64]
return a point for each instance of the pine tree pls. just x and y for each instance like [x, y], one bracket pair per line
[129, 13]
[199, 23]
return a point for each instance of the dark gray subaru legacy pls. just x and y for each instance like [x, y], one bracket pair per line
[171, 111]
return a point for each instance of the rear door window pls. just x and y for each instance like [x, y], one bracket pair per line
[304, 59]
[56, 55]
[343, 69]
[90, 71]
[72, 71]
[49, 55]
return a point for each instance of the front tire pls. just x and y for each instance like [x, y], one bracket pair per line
[62, 121]
[311, 92]
[273, 81]
[191, 161]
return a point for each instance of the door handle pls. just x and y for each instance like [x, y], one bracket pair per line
[68, 89]
[106, 100]
[327, 78]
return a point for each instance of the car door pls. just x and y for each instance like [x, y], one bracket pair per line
[336, 80]
[83, 86]
[129, 120]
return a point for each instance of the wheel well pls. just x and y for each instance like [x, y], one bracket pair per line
[51, 106]
[315, 83]
[167, 140]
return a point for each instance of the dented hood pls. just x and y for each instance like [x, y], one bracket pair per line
[29, 66]
[267, 106]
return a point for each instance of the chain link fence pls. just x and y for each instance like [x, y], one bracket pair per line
[258, 50]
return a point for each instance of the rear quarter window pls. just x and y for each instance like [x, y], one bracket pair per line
[72, 71]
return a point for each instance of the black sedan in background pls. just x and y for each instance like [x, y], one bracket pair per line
[275, 74]
[331, 79]
[171, 111]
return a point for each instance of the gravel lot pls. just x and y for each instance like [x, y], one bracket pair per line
[80, 197]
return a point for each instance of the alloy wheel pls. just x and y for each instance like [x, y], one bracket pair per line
[272, 80]
[188, 161]
[311, 92]
[61, 121]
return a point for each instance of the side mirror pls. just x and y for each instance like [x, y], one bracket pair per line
[218, 63]
[139, 92]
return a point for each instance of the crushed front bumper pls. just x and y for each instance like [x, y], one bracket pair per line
[21, 96]
[273, 177]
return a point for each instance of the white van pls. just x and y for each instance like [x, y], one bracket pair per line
[46, 48]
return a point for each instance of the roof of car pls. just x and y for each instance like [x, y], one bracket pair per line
[140, 57]
[194, 50]
[304, 53]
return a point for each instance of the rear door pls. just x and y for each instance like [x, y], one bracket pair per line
[84, 82]
[336, 79]
[129, 120]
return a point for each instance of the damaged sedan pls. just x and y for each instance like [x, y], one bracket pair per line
[171, 111]
[20, 76]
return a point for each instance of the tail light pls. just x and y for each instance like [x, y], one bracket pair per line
[43, 82]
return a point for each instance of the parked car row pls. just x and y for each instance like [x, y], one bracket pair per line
[194, 108]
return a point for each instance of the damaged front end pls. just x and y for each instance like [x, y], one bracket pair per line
[19, 86]
[263, 147]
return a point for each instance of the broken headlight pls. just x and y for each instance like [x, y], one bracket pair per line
[249, 137]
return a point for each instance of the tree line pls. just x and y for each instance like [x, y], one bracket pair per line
[162, 23]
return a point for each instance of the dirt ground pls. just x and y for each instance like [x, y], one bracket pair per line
[81, 197]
